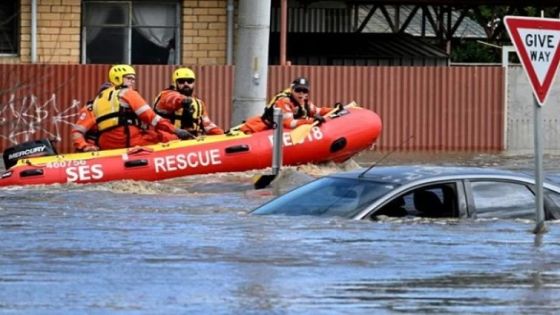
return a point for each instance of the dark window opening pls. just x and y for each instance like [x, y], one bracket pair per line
[9, 27]
[135, 32]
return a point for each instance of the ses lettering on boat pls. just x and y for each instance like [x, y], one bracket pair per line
[84, 172]
[176, 162]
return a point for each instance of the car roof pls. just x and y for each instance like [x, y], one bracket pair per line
[405, 174]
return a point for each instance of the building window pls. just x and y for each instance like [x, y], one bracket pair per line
[131, 32]
[9, 18]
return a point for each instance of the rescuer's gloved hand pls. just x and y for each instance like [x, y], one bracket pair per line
[90, 148]
[183, 134]
[318, 119]
[187, 104]
[339, 107]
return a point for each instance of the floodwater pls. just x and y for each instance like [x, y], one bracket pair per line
[188, 246]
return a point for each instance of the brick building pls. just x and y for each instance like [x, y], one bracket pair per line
[192, 32]
[80, 31]
[201, 32]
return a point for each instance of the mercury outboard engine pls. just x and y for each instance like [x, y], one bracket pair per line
[33, 148]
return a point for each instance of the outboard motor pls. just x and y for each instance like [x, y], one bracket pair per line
[33, 148]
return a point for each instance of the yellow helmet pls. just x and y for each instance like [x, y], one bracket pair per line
[182, 73]
[117, 72]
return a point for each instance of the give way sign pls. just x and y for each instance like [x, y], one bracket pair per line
[536, 41]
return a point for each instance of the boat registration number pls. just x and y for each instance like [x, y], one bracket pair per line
[314, 134]
[63, 164]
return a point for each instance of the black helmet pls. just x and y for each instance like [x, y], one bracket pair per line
[300, 82]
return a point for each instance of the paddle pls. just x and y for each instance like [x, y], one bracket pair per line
[235, 128]
[299, 133]
[261, 181]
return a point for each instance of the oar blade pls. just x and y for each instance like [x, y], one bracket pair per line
[263, 180]
[300, 133]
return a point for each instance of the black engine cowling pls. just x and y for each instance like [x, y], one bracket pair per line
[27, 149]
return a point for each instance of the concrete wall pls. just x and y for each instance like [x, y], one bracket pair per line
[519, 114]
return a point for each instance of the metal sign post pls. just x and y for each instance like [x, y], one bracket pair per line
[278, 139]
[540, 226]
[536, 41]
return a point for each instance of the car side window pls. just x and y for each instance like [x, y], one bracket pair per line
[433, 201]
[503, 200]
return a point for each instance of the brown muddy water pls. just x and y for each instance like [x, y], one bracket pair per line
[188, 246]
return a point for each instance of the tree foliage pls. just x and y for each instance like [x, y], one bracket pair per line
[491, 18]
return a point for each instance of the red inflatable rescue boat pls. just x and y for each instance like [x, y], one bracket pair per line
[338, 139]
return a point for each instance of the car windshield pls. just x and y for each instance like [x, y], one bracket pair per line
[327, 196]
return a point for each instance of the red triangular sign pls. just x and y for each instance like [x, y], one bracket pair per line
[536, 41]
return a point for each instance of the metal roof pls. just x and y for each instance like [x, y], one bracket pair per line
[360, 49]
[378, 23]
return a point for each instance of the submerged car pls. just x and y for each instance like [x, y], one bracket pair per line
[418, 191]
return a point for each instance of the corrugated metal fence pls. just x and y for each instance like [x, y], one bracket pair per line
[457, 108]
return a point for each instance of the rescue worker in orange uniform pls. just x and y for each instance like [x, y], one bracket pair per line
[296, 108]
[185, 111]
[84, 130]
[124, 119]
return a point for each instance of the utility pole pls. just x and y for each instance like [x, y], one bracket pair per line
[251, 59]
